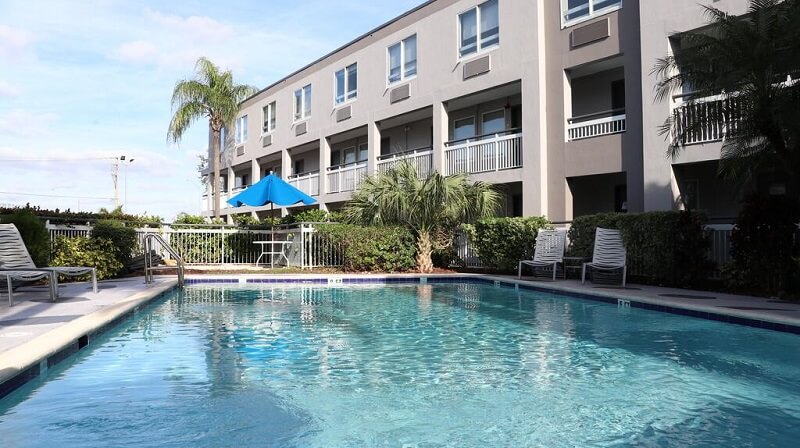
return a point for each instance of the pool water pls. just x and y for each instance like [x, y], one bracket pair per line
[461, 365]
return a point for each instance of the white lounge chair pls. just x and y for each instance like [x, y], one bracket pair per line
[16, 264]
[549, 251]
[609, 254]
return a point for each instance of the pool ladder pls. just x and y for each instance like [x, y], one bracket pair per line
[150, 242]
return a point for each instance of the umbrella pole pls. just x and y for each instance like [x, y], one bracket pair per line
[272, 235]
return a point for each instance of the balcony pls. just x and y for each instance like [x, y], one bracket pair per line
[306, 182]
[704, 120]
[485, 153]
[345, 178]
[420, 158]
[596, 124]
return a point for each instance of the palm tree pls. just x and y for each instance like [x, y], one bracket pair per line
[213, 95]
[751, 64]
[400, 197]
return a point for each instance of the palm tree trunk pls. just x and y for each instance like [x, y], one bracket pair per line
[215, 187]
[424, 250]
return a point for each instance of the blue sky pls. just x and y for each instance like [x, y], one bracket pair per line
[85, 81]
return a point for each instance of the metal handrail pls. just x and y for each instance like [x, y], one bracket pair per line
[488, 136]
[148, 257]
[407, 152]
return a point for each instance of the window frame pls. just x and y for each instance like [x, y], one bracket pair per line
[593, 14]
[403, 78]
[240, 131]
[306, 114]
[346, 95]
[479, 49]
[271, 121]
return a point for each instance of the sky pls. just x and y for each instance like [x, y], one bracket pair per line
[84, 82]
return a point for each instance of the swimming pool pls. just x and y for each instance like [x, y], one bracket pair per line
[418, 365]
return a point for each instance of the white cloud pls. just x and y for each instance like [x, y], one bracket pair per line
[15, 42]
[138, 51]
[26, 123]
[8, 90]
[192, 27]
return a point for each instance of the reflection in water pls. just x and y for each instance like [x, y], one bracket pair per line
[442, 365]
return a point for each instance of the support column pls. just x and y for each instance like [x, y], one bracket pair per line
[441, 132]
[255, 176]
[286, 171]
[324, 164]
[373, 147]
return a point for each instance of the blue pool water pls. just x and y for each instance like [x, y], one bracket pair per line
[458, 365]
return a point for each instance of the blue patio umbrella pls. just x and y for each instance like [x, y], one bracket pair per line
[271, 190]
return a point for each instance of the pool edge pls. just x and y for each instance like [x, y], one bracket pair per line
[28, 361]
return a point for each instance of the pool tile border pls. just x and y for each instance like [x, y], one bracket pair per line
[501, 282]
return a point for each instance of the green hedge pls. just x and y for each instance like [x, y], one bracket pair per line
[87, 251]
[765, 247]
[34, 234]
[667, 248]
[381, 249]
[501, 243]
[123, 238]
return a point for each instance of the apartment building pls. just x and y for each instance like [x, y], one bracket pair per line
[551, 100]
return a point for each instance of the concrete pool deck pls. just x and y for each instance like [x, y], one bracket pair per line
[36, 330]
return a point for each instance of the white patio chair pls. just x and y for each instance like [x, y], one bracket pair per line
[16, 264]
[609, 254]
[549, 251]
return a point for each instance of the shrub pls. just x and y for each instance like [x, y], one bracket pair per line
[86, 251]
[662, 247]
[34, 234]
[384, 249]
[245, 220]
[185, 218]
[123, 238]
[309, 215]
[501, 243]
[764, 247]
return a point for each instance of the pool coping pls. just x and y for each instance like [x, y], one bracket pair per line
[33, 358]
[734, 316]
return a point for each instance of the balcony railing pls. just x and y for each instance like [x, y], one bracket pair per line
[306, 182]
[596, 124]
[346, 177]
[420, 158]
[486, 153]
[705, 120]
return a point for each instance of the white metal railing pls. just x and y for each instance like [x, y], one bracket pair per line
[704, 120]
[421, 159]
[197, 245]
[306, 182]
[578, 129]
[484, 155]
[346, 178]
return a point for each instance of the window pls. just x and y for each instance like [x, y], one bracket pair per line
[403, 60]
[464, 128]
[268, 113]
[479, 28]
[222, 133]
[493, 122]
[573, 11]
[618, 94]
[346, 84]
[349, 156]
[241, 130]
[302, 103]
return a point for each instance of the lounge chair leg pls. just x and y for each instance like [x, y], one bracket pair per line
[555, 269]
[94, 280]
[10, 292]
[583, 274]
[519, 270]
[54, 286]
[624, 275]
